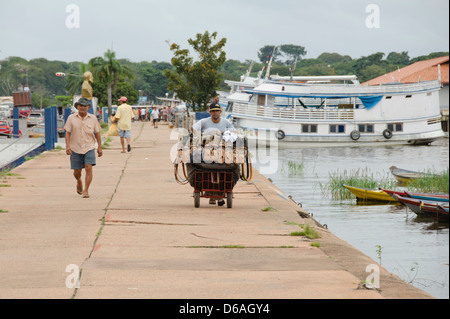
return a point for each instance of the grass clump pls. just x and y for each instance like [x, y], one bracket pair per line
[431, 183]
[307, 231]
[363, 178]
[293, 168]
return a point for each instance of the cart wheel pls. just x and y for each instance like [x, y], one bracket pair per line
[229, 200]
[196, 199]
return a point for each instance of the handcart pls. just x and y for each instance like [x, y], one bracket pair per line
[214, 180]
[213, 184]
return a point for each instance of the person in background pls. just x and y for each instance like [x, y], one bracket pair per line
[155, 116]
[82, 131]
[123, 118]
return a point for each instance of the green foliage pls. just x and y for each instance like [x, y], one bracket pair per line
[110, 71]
[432, 183]
[196, 81]
[64, 100]
[123, 89]
[149, 76]
[363, 178]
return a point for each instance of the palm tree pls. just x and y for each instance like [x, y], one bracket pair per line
[109, 70]
[75, 81]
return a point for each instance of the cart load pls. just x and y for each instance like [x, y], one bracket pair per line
[212, 164]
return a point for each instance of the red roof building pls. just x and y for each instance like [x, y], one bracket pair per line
[426, 70]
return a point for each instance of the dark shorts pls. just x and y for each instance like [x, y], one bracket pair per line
[77, 161]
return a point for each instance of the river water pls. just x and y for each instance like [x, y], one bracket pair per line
[416, 250]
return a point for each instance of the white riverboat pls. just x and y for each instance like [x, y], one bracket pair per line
[337, 110]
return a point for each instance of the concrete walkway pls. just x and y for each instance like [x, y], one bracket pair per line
[139, 236]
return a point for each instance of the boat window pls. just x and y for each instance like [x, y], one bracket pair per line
[365, 128]
[395, 127]
[337, 128]
[388, 97]
[408, 96]
[309, 128]
[261, 100]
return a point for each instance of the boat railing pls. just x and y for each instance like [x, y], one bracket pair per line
[347, 89]
[293, 113]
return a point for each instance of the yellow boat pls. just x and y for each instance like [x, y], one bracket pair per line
[370, 194]
[403, 176]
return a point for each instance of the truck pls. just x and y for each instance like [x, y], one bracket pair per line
[22, 101]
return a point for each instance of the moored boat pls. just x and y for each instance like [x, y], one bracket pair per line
[288, 112]
[415, 204]
[433, 197]
[430, 196]
[439, 212]
[404, 176]
[369, 194]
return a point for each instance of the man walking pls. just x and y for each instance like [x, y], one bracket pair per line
[123, 117]
[82, 131]
[155, 116]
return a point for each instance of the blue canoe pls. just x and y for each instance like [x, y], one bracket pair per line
[438, 198]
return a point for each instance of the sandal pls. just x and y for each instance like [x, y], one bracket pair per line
[85, 195]
[79, 190]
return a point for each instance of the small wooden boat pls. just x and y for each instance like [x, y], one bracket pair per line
[369, 194]
[426, 196]
[439, 212]
[415, 204]
[404, 176]
[433, 197]
[392, 192]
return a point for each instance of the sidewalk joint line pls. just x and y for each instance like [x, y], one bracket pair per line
[102, 223]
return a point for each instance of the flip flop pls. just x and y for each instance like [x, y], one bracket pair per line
[79, 190]
[85, 195]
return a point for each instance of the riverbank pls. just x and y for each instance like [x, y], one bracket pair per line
[139, 236]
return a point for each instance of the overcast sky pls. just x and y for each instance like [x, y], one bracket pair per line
[78, 30]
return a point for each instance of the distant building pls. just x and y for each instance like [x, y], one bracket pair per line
[426, 70]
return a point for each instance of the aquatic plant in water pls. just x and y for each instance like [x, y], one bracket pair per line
[293, 168]
[431, 183]
[363, 178]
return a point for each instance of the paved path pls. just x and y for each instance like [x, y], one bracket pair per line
[139, 236]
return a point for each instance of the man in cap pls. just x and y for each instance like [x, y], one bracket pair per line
[123, 117]
[211, 125]
[82, 131]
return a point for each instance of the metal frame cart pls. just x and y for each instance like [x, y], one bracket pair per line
[213, 184]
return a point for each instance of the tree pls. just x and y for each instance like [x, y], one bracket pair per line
[196, 82]
[123, 89]
[64, 100]
[109, 71]
[74, 82]
[398, 59]
[291, 53]
[266, 52]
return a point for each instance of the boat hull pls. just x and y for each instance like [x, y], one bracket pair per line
[416, 205]
[370, 194]
[399, 115]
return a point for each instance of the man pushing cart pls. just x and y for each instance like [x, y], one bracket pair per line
[215, 153]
